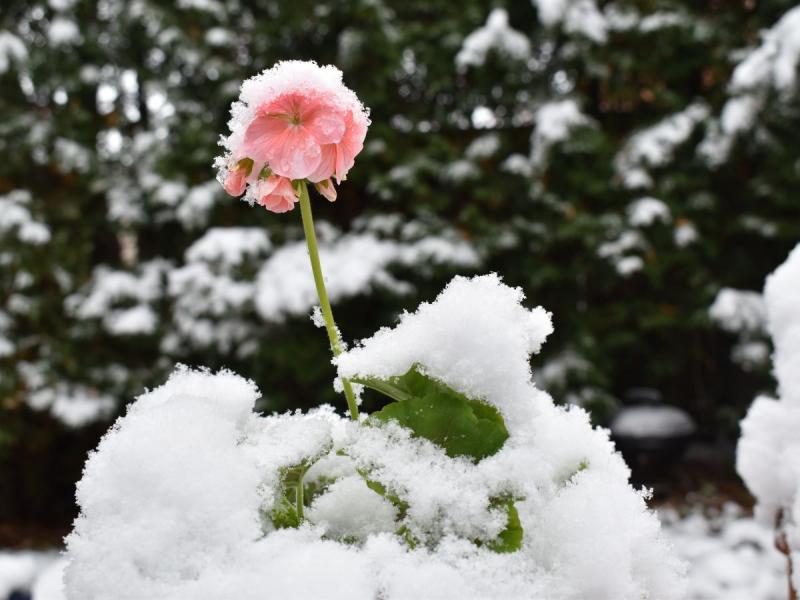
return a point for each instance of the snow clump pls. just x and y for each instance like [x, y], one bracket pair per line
[185, 495]
[768, 455]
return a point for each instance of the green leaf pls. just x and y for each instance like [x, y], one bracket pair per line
[432, 410]
[510, 539]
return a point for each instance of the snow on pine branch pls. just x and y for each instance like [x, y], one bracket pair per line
[354, 263]
[771, 67]
[221, 472]
[495, 36]
[655, 146]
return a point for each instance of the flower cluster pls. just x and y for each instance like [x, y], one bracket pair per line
[296, 121]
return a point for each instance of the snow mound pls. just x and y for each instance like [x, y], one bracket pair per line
[768, 456]
[184, 496]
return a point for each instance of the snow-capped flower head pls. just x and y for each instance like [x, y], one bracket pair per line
[294, 121]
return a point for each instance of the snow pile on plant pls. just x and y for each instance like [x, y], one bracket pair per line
[192, 495]
[768, 457]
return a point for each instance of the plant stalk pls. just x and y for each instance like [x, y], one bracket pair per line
[325, 305]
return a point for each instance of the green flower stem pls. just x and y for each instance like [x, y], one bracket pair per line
[299, 500]
[325, 305]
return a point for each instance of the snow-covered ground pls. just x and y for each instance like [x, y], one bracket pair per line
[730, 557]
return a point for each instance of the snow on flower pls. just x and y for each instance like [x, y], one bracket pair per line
[186, 515]
[294, 121]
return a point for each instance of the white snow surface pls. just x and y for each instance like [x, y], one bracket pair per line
[768, 456]
[581, 17]
[646, 211]
[16, 218]
[173, 501]
[12, 50]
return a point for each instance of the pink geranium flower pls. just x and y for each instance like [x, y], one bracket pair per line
[276, 194]
[298, 121]
[289, 132]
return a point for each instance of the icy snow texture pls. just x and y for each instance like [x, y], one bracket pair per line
[172, 502]
[284, 78]
[768, 457]
[655, 146]
[497, 35]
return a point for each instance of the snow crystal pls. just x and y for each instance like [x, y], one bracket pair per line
[497, 35]
[652, 421]
[739, 310]
[646, 211]
[353, 263]
[655, 146]
[554, 122]
[11, 50]
[175, 502]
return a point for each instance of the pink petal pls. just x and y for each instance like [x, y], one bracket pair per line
[236, 181]
[327, 164]
[295, 154]
[261, 137]
[326, 123]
